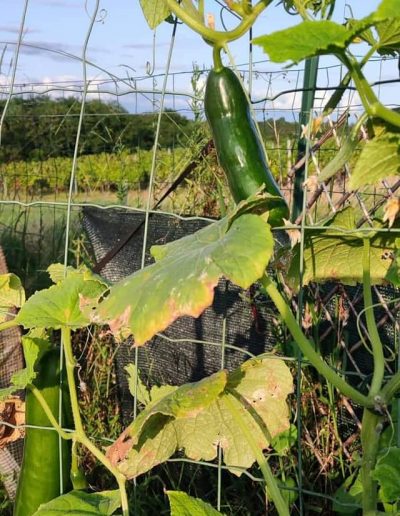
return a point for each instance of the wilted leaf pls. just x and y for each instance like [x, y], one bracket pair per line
[391, 210]
[79, 503]
[155, 11]
[334, 255]
[12, 411]
[261, 385]
[183, 279]
[379, 159]
[12, 294]
[63, 304]
[184, 505]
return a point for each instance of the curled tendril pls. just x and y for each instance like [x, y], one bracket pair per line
[103, 13]
[315, 6]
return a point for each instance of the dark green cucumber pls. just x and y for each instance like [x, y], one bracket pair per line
[239, 148]
[39, 480]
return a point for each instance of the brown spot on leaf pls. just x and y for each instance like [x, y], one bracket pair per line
[120, 449]
[120, 322]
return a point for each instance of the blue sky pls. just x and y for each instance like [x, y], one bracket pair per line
[122, 45]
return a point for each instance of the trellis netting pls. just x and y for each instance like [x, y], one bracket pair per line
[48, 217]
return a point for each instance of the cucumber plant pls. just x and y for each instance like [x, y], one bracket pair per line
[246, 406]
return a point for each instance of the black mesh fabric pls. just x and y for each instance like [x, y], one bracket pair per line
[232, 318]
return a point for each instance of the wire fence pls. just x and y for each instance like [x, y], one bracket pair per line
[41, 203]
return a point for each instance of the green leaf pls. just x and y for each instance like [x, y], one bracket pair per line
[348, 498]
[379, 159]
[334, 255]
[184, 505]
[387, 9]
[309, 38]
[12, 294]
[387, 474]
[144, 396]
[282, 442]
[258, 389]
[341, 158]
[290, 494]
[182, 280]
[155, 11]
[136, 386]
[58, 272]
[63, 304]
[79, 503]
[389, 36]
[34, 345]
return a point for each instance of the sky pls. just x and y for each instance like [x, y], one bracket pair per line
[129, 59]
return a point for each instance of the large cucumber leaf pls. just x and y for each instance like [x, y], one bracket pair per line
[182, 280]
[196, 419]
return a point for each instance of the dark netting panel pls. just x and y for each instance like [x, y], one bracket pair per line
[233, 317]
[237, 318]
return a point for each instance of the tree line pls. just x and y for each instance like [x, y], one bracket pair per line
[38, 128]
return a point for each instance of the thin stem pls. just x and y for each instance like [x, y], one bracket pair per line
[47, 410]
[307, 349]
[70, 366]
[370, 435]
[273, 489]
[121, 480]
[367, 95]
[217, 58]
[376, 344]
[215, 36]
[8, 324]
[391, 388]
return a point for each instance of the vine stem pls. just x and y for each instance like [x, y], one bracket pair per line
[79, 434]
[370, 101]
[47, 410]
[391, 388]
[370, 434]
[270, 481]
[215, 36]
[307, 348]
[376, 344]
[6, 325]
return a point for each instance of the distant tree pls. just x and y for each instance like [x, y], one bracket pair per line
[41, 127]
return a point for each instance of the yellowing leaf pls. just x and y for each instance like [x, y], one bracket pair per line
[379, 159]
[182, 280]
[336, 254]
[155, 11]
[12, 294]
[391, 210]
[259, 387]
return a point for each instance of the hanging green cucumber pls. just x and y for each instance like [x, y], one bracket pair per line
[239, 148]
[39, 480]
